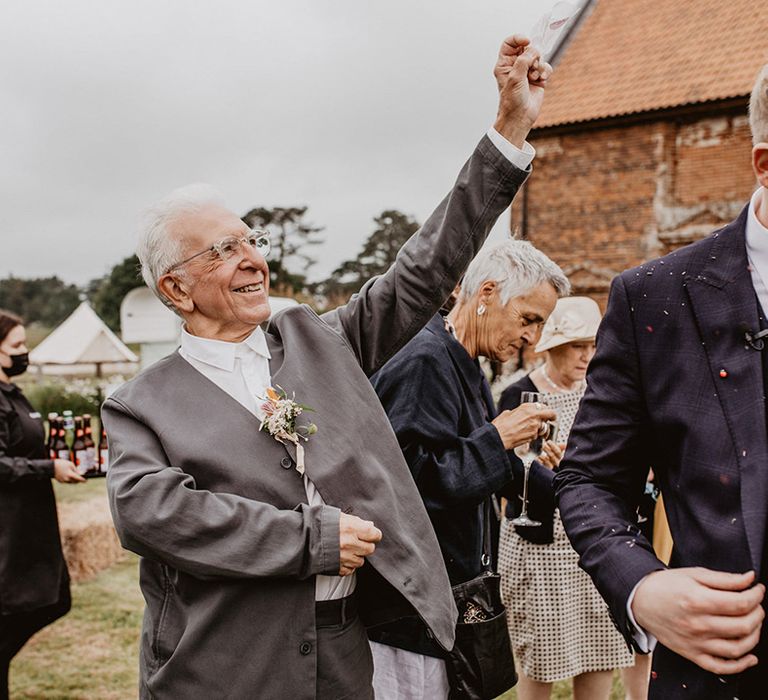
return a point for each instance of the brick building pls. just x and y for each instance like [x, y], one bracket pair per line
[643, 144]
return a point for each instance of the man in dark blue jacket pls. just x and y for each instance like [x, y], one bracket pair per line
[679, 383]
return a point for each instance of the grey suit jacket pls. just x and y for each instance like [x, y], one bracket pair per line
[215, 508]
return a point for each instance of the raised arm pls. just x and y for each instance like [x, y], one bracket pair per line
[389, 310]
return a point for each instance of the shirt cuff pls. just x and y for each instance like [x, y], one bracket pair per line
[645, 641]
[520, 158]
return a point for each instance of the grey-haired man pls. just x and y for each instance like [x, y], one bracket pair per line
[261, 562]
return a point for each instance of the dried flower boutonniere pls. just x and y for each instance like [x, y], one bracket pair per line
[280, 421]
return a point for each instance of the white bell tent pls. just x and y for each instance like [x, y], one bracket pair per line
[145, 320]
[81, 344]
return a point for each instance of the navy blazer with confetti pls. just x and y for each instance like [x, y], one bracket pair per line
[673, 385]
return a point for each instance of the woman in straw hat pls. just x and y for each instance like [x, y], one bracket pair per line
[558, 623]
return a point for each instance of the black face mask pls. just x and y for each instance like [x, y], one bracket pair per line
[19, 364]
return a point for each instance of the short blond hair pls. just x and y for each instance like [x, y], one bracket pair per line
[758, 108]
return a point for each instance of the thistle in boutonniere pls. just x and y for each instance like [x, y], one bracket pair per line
[280, 417]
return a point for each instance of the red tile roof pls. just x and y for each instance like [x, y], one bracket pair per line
[631, 56]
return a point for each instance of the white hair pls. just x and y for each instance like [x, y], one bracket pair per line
[516, 267]
[158, 250]
[758, 108]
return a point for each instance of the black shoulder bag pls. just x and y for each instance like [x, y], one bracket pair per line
[481, 666]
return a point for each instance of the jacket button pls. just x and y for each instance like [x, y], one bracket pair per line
[285, 462]
[305, 648]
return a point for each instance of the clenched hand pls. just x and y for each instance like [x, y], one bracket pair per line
[521, 77]
[357, 540]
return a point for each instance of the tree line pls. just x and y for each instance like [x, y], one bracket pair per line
[47, 301]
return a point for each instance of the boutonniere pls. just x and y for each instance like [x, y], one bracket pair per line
[280, 417]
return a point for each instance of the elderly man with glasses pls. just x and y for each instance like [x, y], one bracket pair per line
[270, 535]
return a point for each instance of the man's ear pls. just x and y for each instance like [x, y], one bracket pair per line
[487, 292]
[760, 162]
[175, 289]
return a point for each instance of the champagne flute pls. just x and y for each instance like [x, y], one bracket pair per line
[527, 452]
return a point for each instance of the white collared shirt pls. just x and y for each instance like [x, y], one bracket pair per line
[757, 249]
[242, 371]
[520, 158]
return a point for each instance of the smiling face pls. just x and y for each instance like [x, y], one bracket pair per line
[220, 299]
[507, 328]
[571, 360]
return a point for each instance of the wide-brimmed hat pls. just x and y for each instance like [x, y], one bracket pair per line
[574, 319]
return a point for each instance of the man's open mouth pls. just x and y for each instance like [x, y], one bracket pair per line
[250, 288]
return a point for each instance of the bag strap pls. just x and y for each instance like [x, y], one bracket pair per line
[485, 559]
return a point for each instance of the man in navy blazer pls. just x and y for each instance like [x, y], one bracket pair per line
[679, 384]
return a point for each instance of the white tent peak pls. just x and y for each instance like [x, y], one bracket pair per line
[81, 338]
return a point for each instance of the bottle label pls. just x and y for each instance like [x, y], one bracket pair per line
[63, 454]
[104, 461]
[81, 461]
[91, 459]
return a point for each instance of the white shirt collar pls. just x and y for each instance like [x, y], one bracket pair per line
[221, 353]
[756, 232]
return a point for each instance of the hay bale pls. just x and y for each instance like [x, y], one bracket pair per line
[88, 537]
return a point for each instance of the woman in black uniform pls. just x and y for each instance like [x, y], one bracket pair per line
[34, 583]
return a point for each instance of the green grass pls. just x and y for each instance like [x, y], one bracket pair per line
[92, 653]
[77, 493]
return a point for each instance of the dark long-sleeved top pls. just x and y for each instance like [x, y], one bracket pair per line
[440, 407]
[32, 568]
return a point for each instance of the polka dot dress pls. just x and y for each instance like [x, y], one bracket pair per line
[558, 623]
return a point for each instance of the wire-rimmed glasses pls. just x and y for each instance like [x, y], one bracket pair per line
[228, 247]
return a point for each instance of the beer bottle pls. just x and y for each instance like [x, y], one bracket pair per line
[79, 454]
[90, 446]
[60, 447]
[52, 431]
[69, 426]
[103, 450]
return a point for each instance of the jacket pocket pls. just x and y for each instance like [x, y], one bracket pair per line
[169, 624]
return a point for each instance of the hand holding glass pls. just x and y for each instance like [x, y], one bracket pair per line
[527, 452]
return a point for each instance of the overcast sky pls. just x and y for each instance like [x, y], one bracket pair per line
[349, 107]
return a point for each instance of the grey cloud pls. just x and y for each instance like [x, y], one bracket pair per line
[349, 107]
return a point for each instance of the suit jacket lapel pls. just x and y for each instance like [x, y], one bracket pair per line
[277, 371]
[724, 305]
